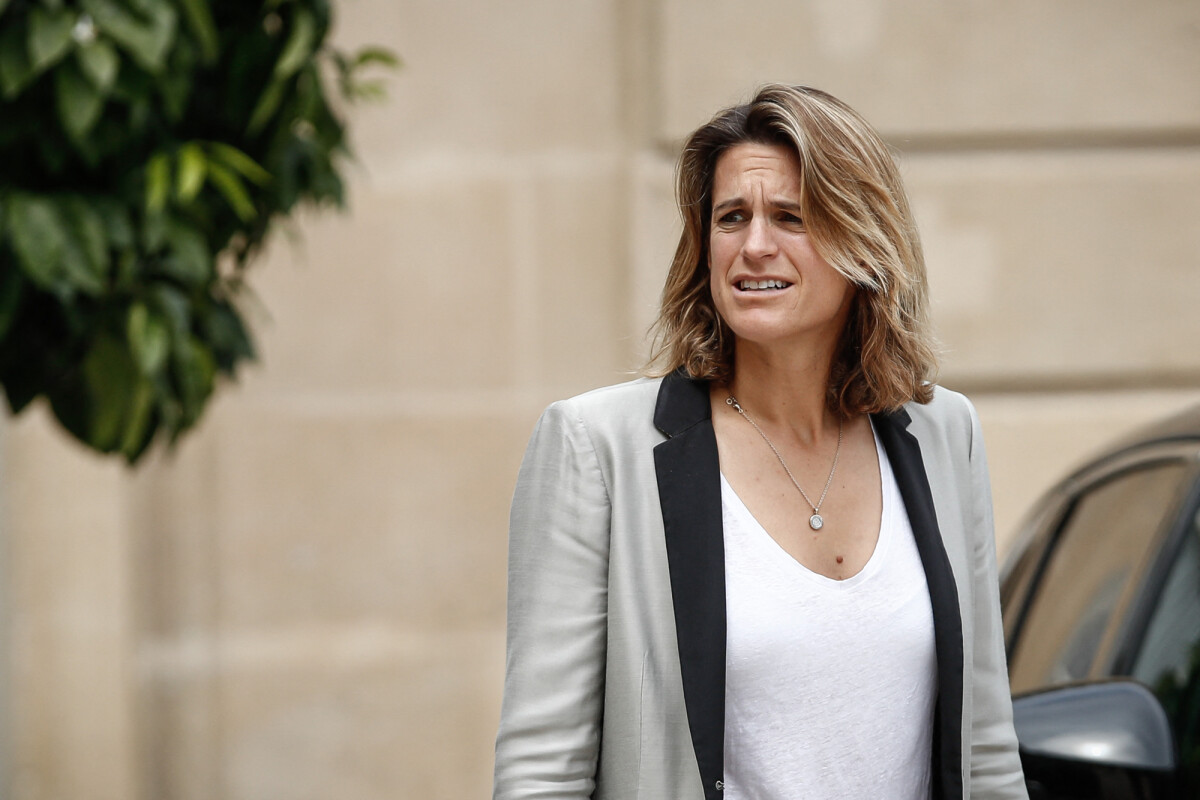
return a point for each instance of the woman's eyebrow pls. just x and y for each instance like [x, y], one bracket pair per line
[724, 204]
[733, 202]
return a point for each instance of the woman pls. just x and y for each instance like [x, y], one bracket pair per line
[769, 572]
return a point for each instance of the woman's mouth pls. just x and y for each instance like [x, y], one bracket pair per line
[758, 286]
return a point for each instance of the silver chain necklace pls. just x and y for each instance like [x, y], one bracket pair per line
[816, 522]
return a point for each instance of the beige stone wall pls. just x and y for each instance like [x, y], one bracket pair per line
[306, 600]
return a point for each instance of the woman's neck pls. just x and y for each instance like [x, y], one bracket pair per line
[786, 389]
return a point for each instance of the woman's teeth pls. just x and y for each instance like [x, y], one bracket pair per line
[756, 285]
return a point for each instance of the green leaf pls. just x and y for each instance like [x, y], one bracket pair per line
[299, 46]
[267, 104]
[199, 18]
[229, 185]
[351, 86]
[174, 306]
[38, 233]
[154, 231]
[115, 218]
[53, 155]
[22, 386]
[77, 271]
[68, 397]
[241, 163]
[143, 7]
[135, 439]
[375, 55]
[163, 21]
[111, 378]
[158, 182]
[189, 260]
[79, 102]
[341, 62]
[11, 289]
[146, 42]
[100, 62]
[169, 411]
[88, 229]
[149, 339]
[310, 97]
[195, 371]
[83, 269]
[88, 226]
[49, 36]
[175, 85]
[365, 90]
[225, 331]
[189, 174]
[127, 273]
[15, 71]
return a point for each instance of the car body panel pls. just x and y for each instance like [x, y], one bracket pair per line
[1104, 582]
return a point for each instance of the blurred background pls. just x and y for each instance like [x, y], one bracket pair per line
[305, 599]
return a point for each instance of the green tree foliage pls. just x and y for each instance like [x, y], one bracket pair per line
[147, 147]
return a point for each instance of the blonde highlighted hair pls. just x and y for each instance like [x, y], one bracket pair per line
[858, 219]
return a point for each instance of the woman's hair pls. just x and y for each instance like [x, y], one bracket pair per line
[857, 217]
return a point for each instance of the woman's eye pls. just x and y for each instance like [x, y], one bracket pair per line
[790, 219]
[732, 218]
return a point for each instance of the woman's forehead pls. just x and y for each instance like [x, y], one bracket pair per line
[753, 164]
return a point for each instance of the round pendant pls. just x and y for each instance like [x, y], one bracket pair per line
[815, 522]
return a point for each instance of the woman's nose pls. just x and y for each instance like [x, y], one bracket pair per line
[760, 238]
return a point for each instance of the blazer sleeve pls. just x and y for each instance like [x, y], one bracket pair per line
[549, 735]
[995, 763]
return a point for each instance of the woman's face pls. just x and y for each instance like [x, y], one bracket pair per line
[767, 282]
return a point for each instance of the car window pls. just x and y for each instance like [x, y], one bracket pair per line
[1103, 544]
[1172, 635]
[1020, 579]
[1020, 572]
[1168, 660]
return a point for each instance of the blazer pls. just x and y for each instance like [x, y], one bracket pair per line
[615, 667]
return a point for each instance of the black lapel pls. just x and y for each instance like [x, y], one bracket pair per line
[689, 489]
[904, 452]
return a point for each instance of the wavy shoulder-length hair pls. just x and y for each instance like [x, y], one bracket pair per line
[858, 219]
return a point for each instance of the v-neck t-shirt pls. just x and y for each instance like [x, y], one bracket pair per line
[829, 685]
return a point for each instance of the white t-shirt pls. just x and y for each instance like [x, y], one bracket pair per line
[830, 685]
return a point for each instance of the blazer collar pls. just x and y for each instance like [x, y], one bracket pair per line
[904, 453]
[689, 487]
[682, 403]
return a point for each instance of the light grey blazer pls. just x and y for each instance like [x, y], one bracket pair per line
[615, 673]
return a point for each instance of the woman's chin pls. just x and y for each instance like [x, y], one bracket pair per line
[770, 333]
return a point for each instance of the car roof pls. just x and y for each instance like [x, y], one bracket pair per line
[1181, 427]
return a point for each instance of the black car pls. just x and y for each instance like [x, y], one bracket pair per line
[1101, 604]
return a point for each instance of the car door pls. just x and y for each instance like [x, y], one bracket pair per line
[1095, 542]
[1163, 648]
[1108, 584]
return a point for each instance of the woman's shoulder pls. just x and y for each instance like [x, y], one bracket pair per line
[946, 403]
[949, 414]
[628, 405]
[616, 397]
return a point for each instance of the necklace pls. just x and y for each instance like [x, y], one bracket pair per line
[816, 522]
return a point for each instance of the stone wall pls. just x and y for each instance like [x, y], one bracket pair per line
[306, 599]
